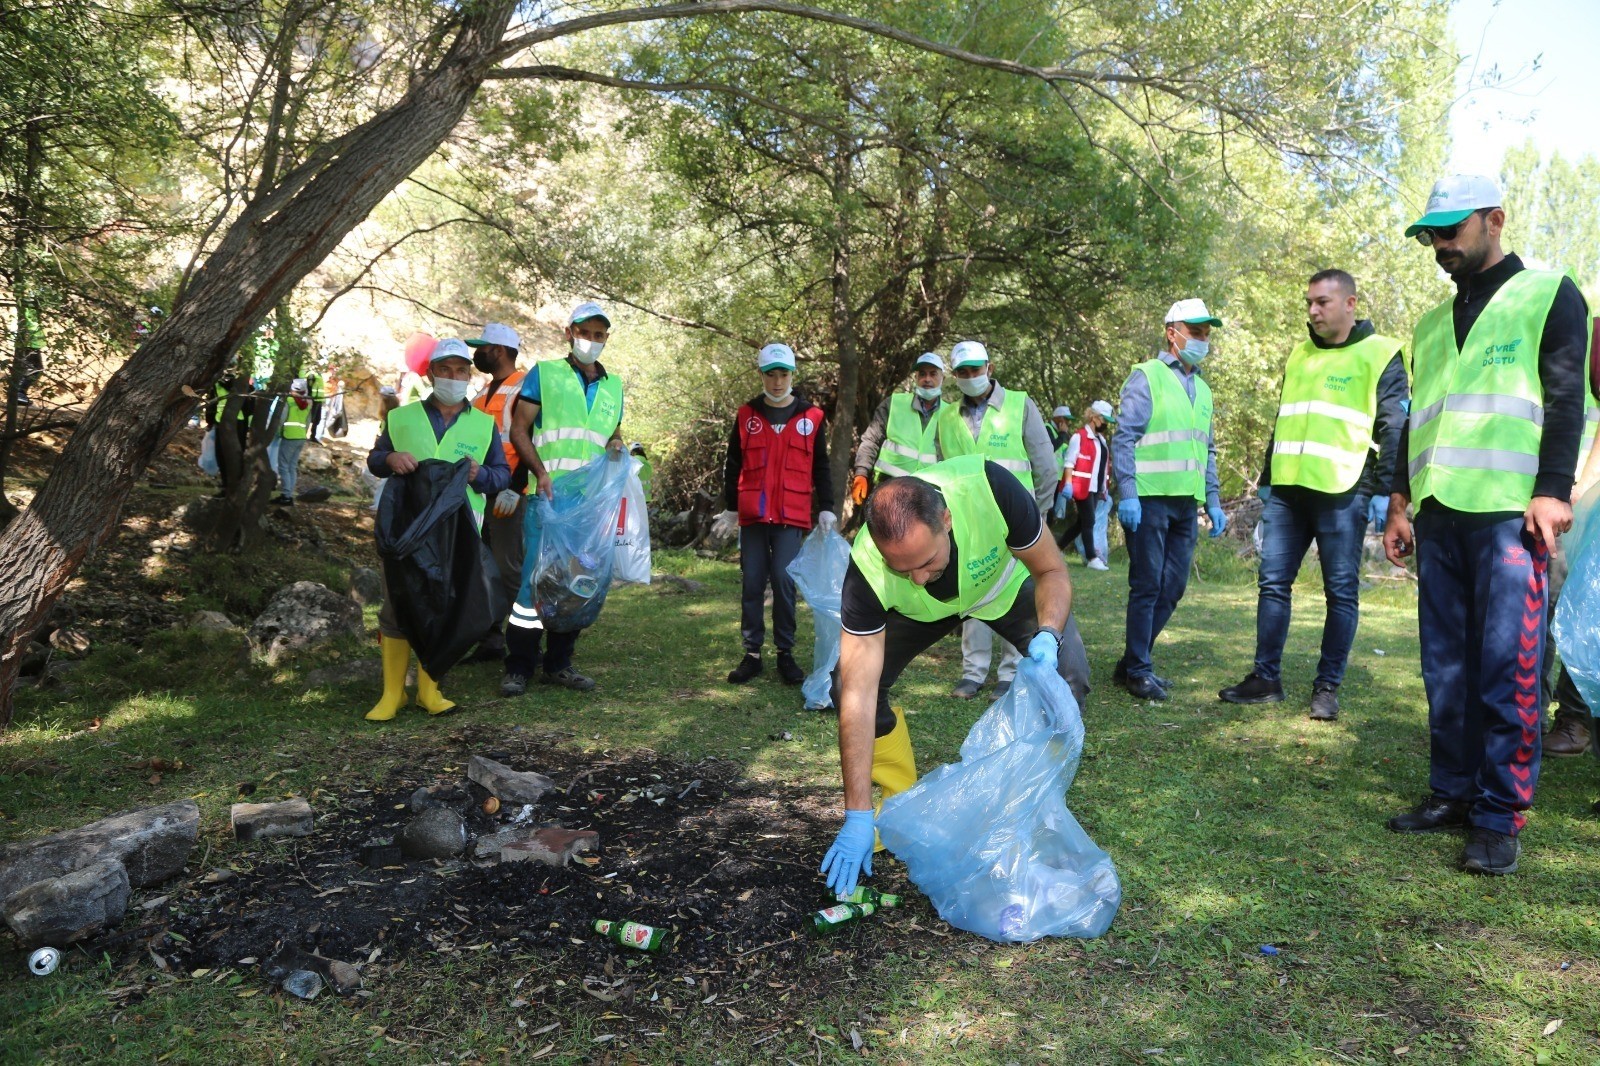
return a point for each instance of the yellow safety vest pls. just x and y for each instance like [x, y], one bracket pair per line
[571, 433]
[908, 444]
[999, 435]
[468, 437]
[1170, 458]
[1327, 411]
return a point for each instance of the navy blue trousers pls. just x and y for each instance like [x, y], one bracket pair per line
[1160, 552]
[1291, 520]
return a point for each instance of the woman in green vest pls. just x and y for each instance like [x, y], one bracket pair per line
[292, 440]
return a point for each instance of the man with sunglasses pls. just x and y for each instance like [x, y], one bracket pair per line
[1491, 447]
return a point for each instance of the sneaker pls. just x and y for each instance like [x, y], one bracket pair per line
[1119, 674]
[789, 671]
[569, 678]
[748, 668]
[513, 684]
[1253, 689]
[1324, 704]
[1145, 688]
[1097, 564]
[1433, 815]
[1488, 852]
[281, 500]
[966, 689]
[1001, 688]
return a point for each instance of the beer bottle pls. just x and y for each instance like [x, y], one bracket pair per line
[884, 901]
[633, 934]
[831, 919]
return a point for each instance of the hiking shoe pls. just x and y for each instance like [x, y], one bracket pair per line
[1432, 815]
[789, 671]
[1488, 852]
[966, 689]
[1145, 687]
[1097, 564]
[748, 667]
[1253, 689]
[1001, 688]
[1324, 704]
[513, 684]
[1119, 674]
[1569, 735]
[569, 678]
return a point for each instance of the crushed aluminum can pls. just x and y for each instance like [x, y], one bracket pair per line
[43, 963]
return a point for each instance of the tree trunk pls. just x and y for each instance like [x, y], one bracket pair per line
[24, 208]
[278, 239]
[842, 440]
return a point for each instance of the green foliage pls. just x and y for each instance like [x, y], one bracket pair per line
[1553, 211]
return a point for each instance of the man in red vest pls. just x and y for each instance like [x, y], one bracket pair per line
[1083, 484]
[775, 478]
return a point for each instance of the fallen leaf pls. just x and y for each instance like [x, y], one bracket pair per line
[1555, 1023]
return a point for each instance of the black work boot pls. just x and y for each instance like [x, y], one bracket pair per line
[1489, 852]
[1253, 689]
[1324, 704]
[1433, 815]
[789, 671]
[748, 667]
[1569, 735]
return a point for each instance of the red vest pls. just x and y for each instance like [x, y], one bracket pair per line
[1088, 458]
[775, 475]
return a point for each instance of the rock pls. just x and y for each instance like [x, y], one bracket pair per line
[301, 616]
[71, 642]
[315, 459]
[510, 786]
[69, 907]
[359, 670]
[552, 847]
[674, 583]
[488, 846]
[303, 983]
[261, 821]
[152, 843]
[436, 833]
[315, 494]
[210, 622]
[366, 586]
[344, 977]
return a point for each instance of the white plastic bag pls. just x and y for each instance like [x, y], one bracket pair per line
[818, 571]
[990, 840]
[208, 453]
[632, 566]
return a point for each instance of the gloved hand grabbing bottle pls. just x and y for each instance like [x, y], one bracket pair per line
[1128, 513]
[827, 521]
[859, 489]
[851, 854]
[1219, 520]
[505, 504]
[725, 524]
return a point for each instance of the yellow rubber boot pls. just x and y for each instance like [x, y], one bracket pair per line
[894, 767]
[396, 657]
[429, 698]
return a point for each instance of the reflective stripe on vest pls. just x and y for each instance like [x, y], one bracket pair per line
[1170, 458]
[468, 437]
[999, 437]
[498, 406]
[988, 576]
[1327, 411]
[908, 444]
[571, 433]
[1477, 409]
[295, 420]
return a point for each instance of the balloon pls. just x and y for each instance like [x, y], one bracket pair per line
[418, 348]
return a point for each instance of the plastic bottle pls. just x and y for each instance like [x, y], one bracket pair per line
[633, 934]
[832, 919]
[884, 901]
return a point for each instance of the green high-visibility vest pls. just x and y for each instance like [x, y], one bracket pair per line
[571, 433]
[1326, 413]
[296, 420]
[239, 412]
[647, 475]
[988, 575]
[1477, 409]
[999, 436]
[909, 445]
[1170, 458]
[316, 386]
[468, 437]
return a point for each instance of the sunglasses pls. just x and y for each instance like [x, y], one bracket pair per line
[1427, 234]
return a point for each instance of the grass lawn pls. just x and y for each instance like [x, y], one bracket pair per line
[1231, 827]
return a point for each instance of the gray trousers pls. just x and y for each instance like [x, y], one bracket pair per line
[506, 544]
[977, 651]
[765, 552]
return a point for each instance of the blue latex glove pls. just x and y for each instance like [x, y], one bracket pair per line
[851, 854]
[1043, 648]
[1265, 492]
[1378, 512]
[1060, 509]
[1219, 521]
[1129, 512]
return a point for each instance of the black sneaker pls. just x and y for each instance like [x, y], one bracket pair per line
[1145, 688]
[1488, 852]
[513, 684]
[569, 678]
[281, 500]
[1119, 674]
[789, 671]
[1432, 815]
[1324, 704]
[748, 667]
[1253, 689]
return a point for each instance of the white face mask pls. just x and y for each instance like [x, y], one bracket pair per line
[777, 397]
[929, 394]
[587, 352]
[450, 391]
[974, 386]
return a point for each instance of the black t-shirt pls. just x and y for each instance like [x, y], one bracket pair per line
[863, 613]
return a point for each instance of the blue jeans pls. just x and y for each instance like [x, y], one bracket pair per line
[1102, 522]
[289, 465]
[1160, 552]
[1291, 520]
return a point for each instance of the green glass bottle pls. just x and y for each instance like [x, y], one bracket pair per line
[634, 935]
[884, 901]
[831, 919]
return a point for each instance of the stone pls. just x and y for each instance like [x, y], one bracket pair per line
[366, 586]
[552, 847]
[436, 833]
[70, 907]
[71, 642]
[488, 846]
[261, 821]
[344, 977]
[315, 494]
[210, 622]
[152, 843]
[302, 616]
[303, 983]
[344, 673]
[674, 583]
[316, 459]
[510, 786]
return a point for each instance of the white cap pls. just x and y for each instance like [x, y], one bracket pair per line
[450, 348]
[298, 385]
[1192, 311]
[968, 353]
[1061, 412]
[1103, 409]
[1454, 198]
[495, 333]
[775, 357]
[931, 359]
[636, 446]
[587, 310]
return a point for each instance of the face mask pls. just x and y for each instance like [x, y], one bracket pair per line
[929, 394]
[1193, 351]
[974, 386]
[778, 397]
[587, 352]
[481, 362]
[450, 390]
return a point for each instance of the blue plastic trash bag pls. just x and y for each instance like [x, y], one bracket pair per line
[208, 453]
[818, 572]
[1576, 627]
[577, 538]
[989, 839]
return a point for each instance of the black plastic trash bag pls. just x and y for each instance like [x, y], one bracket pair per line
[442, 582]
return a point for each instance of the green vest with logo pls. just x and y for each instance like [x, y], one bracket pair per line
[295, 420]
[999, 437]
[908, 445]
[1477, 410]
[989, 576]
[647, 476]
[1326, 413]
[468, 437]
[571, 433]
[1170, 458]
